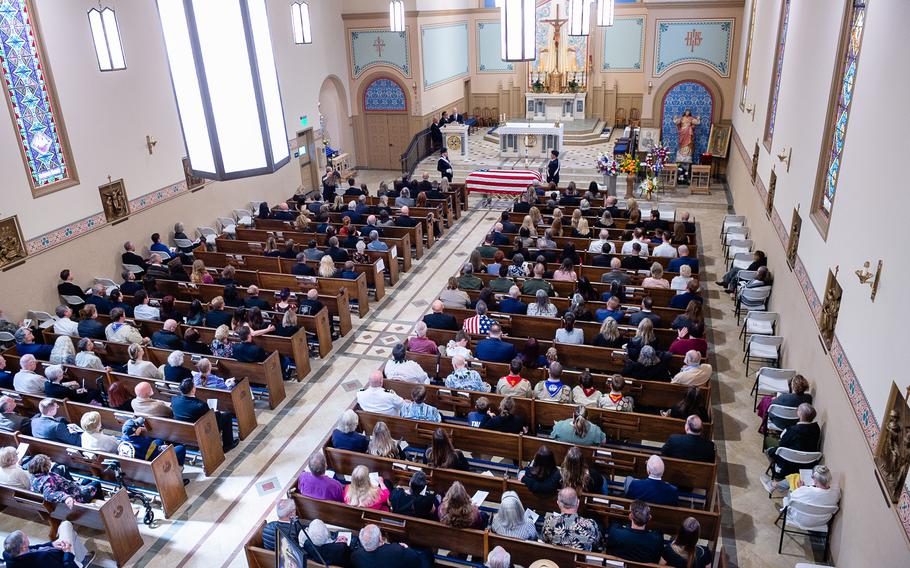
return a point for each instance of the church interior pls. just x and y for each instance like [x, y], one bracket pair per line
[465, 283]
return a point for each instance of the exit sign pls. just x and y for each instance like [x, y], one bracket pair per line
[304, 120]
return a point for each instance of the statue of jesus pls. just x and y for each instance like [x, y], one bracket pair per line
[685, 126]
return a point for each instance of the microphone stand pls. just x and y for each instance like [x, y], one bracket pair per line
[296, 522]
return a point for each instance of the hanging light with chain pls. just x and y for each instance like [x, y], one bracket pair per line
[396, 15]
[518, 30]
[605, 10]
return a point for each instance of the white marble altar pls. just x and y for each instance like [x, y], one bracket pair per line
[564, 107]
[529, 139]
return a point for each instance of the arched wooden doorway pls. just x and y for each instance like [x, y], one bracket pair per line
[335, 119]
[385, 109]
[695, 96]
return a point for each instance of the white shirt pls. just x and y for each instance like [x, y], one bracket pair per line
[146, 312]
[66, 326]
[812, 496]
[453, 350]
[627, 247]
[15, 476]
[379, 400]
[679, 284]
[665, 250]
[28, 382]
[142, 369]
[598, 245]
[89, 360]
[99, 441]
[408, 371]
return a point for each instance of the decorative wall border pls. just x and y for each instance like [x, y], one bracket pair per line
[849, 381]
[722, 68]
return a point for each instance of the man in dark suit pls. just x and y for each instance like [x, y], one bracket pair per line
[425, 186]
[130, 257]
[166, 337]
[691, 445]
[635, 261]
[443, 166]
[352, 214]
[310, 306]
[436, 133]
[337, 253]
[494, 348]
[684, 258]
[188, 408]
[680, 301]
[129, 286]
[513, 304]
[655, 224]
[302, 268]
[604, 258]
[440, 320]
[253, 300]
[646, 304]
[653, 489]
[67, 287]
[684, 219]
[523, 206]
[247, 351]
[157, 270]
[610, 205]
[635, 542]
[9, 420]
[216, 316]
[804, 436]
[25, 345]
[47, 426]
[89, 326]
[18, 552]
[404, 219]
[100, 302]
[552, 167]
[374, 554]
[456, 116]
[507, 226]
[570, 199]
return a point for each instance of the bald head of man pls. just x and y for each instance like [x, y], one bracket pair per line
[376, 379]
[144, 390]
[437, 306]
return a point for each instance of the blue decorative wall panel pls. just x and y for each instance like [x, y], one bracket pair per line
[706, 42]
[444, 50]
[23, 71]
[379, 47]
[624, 45]
[489, 54]
[384, 95]
[695, 97]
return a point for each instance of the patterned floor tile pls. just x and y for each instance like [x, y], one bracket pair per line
[357, 348]
[351, 385]
[376, 326]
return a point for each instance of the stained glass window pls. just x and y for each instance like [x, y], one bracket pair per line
[840, 101]
[29, 90]
[748, 61]
[777, 72]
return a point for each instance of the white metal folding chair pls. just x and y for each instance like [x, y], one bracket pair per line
[44, 319]
[770, 381]
[764, 348]
[758, 323]
[738, 247]
[807, 519]
[243, 217]
[228, 226]
[734, 234]
[7, 338]
[254, 206]
[207, 234]
[751, 299]
[72, 301]
[183, 243]
[779, 418]
[732, 221]
[134, 268]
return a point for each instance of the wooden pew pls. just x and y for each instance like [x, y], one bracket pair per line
[611, 461]
[541, 327]
[415, 234]
[357, 288]
[257, 262]
[338, 302]
[433, 535]
[113, 517]
[161, 475]
[648, 394]
[238, 401]
[256, 555]
[399, 247]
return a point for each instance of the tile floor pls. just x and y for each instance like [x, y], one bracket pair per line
[224, 509]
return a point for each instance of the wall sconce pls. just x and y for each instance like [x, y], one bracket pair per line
[150, 143]
[650, 86]
[784, 156]
[866, 276]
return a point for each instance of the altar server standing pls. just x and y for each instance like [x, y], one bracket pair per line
[443, 166]
[553, 167]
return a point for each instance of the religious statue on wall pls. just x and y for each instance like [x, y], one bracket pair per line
[114, 201]
[827, 321]
[12, 245]
[685, 128]
[796, 227]
[892, 452]
[755, 155]
[772, 189]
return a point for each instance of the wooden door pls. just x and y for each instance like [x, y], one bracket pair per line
[399, 138]
[377, 141]
[309, 166]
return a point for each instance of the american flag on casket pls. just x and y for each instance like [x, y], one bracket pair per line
[507, 182]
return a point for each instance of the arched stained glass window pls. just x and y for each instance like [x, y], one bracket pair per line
[840, 101]
[30, 93]
[776, 73]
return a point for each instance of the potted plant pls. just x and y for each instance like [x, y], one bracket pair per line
[572, 86]
[537, 86]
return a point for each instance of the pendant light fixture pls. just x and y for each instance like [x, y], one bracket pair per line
[579, 17]
[300, 23]
[396, 15]
[605, 10]
[518, 30]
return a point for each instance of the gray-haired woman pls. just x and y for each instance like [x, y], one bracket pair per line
[542, 306]
[650, 366]
[510, 520]
[346, 437]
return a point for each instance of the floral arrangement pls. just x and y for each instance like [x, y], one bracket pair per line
[648, 186]
[657, 157]
[628, 165]
[607, 165]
